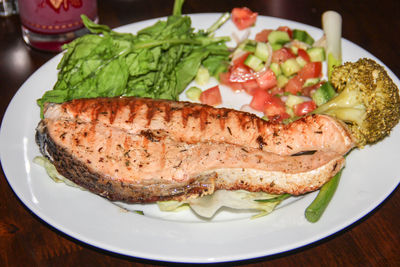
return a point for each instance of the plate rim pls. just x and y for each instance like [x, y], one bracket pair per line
[53, 224]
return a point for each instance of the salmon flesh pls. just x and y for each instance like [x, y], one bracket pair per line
[140, 150]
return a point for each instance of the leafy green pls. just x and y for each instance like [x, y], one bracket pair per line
[207, 206]
[158, 62]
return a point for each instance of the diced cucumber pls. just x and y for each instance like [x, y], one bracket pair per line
[278, 37]
[276, 46]
[294, 49]
[250, 47]
[246, 46]
[193, 93]
[275, 68]
[254, 62]
[302, 36]
[290, 111]
[262, 51]
[290, 67]
[281, 81]
[202, 76]
[323, 94]
[293, 100]
[311, 82]
[316, 54]
[302, 62]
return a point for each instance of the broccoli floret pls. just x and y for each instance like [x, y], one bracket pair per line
[368, 100]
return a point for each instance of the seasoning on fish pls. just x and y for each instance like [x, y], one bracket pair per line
[142, 150]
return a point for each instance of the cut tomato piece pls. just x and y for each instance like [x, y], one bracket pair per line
[310, 70]
[309, 90]
[250, 86]
[266, 79]
[286, 29]
[276, 91]
[279, 118]
[294, 85]
[281, 55]
[211, 96]
[239, 71]
[303, 54]
[275, 109]
[262, 36]
[304, 108]
[224, 78]
[243, 17]
[259, 99]
[239, 61]
[274, 106]
[241, 74]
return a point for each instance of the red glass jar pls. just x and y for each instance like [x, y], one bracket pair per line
[48, 24]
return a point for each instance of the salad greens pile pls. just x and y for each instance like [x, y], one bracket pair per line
[158, 62]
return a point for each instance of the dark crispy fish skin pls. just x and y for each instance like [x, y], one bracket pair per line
[116, 190]
[139, 161]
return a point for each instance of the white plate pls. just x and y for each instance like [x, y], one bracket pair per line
[182, 237]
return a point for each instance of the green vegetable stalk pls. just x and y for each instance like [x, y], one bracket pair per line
[315, 210]
[332, 25]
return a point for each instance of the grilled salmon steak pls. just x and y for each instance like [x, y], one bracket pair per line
[143, 150]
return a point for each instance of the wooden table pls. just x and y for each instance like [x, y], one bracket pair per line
[25, 240]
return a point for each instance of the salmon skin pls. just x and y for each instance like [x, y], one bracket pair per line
[143, 150]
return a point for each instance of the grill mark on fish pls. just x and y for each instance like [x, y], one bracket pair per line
[133, 105]
[134, 179]
[167, 112]
[260, 142]
[185, 115]
[197, 135]
[203, 119]
[152, 108]
[150, 135]
[304, 134]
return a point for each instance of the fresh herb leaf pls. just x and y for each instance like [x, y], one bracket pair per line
[158, 62]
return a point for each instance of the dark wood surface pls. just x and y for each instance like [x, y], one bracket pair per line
[25, 240]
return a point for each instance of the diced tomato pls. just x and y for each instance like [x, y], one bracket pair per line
[276, 91]
[259, 99]
[310, 70]
[281, 55]
[286, 29]
[308, 91]
[243, 17]
[224, 78]
[279, 118]
[211, 96]
[274, 106]
[275, 109]
[266, 79]
[303, 53]
[239, 71]
[294, 85]
[304, 108]
[250, 86]
[241, 74]
[262, 36]
[239, 61]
